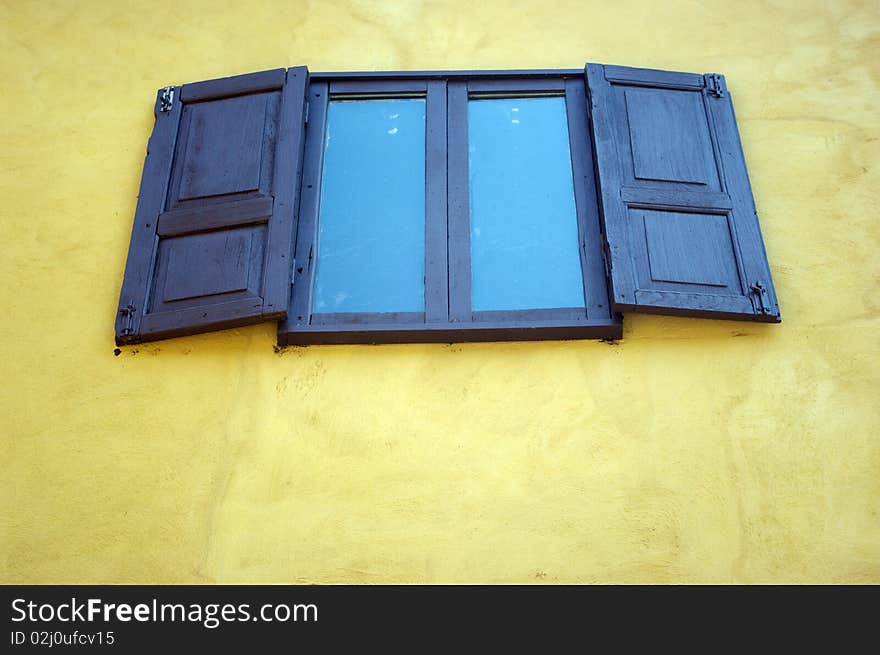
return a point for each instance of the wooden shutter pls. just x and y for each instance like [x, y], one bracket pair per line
[682, 234]
[211, 244]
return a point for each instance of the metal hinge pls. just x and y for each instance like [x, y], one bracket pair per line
[166, 99]
[127, 319]
[715, 84]
[759, 298]
[293, 273]
[307, 113]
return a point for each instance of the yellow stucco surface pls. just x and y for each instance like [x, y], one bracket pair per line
[692, 451]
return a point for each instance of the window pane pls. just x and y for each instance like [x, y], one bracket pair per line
[371, 234]
[524, 236]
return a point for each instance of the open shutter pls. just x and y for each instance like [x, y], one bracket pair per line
[681, 230]
[212, 238]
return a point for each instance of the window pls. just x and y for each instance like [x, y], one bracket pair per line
[523, 221]
[371, 210]
[443, 206]
[447, 209]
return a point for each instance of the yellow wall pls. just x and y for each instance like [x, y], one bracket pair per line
[692, 451]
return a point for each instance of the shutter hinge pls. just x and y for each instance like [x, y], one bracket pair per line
[166, 99]
[715, 85]
[127, 319]
[759, 298]
[307, 113]
[293, 272]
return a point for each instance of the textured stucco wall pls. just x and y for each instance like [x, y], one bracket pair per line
[693, 450]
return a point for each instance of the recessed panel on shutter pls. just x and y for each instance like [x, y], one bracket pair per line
[212, 238]
[681, 230]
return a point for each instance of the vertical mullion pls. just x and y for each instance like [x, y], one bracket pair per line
[436, 257]
[306, 235]
[583, 174]
[459, 205]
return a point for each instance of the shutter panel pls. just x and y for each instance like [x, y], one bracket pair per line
[212, 238]
[682, 234]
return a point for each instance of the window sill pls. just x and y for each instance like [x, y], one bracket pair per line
[305, 335]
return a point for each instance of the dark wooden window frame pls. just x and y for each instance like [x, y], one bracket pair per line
[448, 316]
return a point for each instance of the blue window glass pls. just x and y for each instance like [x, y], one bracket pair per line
[524, 234]
[371, 225]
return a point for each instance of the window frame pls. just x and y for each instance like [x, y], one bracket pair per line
[448, 316]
